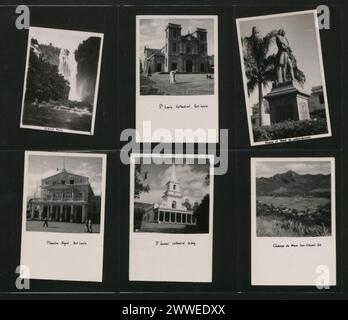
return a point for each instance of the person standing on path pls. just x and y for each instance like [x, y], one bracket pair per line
[45, 224]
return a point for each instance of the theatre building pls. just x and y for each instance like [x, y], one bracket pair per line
[65, 197]
[169, 212]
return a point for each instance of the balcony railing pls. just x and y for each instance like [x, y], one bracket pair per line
[63, 198]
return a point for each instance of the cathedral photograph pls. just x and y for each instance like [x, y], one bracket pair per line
[170, 198]
[176, 56]
[63, 193]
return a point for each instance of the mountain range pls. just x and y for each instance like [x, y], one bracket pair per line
[291, 183]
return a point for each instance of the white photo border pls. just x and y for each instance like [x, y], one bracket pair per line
[96, 90]
[248, 112]
[142, 101]
[327, 240]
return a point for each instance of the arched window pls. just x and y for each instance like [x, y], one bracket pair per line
[174, 205]
[174, 186]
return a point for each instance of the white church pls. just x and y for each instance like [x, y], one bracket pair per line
[169, 213]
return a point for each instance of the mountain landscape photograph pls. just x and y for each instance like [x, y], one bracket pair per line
[61, 80]
[293, 198]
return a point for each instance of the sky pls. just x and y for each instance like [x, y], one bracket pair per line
[191, 178]
[301, 34]
[40, 167]
[64, 39]
[270, 168]
[152, 31]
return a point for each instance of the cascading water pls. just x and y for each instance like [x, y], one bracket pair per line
[68, 69]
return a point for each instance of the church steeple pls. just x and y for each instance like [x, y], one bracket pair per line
[173, 175]
[173, 186]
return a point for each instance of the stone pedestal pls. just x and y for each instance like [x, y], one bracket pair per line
[287, 102]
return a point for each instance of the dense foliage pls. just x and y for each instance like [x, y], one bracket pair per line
[44, 83]
[290, 129]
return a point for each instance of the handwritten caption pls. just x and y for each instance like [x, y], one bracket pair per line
[296, 245]
[181, 106]
[66, 243]
[175, 243]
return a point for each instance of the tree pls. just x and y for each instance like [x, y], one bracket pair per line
[260, 66]
[202, 215]
[139, 183]
[187, 204]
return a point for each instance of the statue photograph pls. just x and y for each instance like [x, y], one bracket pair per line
[283, 77]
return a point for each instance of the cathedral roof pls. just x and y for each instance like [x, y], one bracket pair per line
[65, 173]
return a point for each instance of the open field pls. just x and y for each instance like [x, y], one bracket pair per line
[187, 84]
[62, 227]
[293, 217]
[298, 203]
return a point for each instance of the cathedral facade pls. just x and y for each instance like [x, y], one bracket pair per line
[170, 211]
[184, 53]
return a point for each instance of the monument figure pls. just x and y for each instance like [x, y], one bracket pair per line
[284, 58]
[287, 100]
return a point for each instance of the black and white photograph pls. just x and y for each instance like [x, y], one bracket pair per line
[171, 198]
[177, 78]
[61, 80]
[171, 217]
[293, 220]
[293, 199]
[63, 215]
[176, 56]
[283, 77]
[64, 194]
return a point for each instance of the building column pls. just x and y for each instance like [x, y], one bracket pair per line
[71, 213]
[84, 214]
[61, 213]
[32, 211]
[65, 219]
[50, 212]
[40, 211]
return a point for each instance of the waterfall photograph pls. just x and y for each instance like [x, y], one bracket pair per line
[61, 80]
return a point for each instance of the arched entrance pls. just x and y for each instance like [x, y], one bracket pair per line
[188, 65]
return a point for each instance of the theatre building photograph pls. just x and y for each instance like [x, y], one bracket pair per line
[171, 198]
[63, 194]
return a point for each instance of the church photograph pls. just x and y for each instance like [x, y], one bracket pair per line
[171, 198]
[176, 56]
[64, 193]
[283, 76]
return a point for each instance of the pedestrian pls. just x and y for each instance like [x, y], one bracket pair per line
[86, 226]
[172, 76]
[90, 230]
[45, 221]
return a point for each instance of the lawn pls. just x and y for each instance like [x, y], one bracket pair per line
[186, 84]
[61, 227]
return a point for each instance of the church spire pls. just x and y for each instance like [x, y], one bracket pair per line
[173, 175]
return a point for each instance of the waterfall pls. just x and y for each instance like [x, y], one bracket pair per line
[68, 69]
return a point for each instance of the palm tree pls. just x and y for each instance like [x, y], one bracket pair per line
[260, 66]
